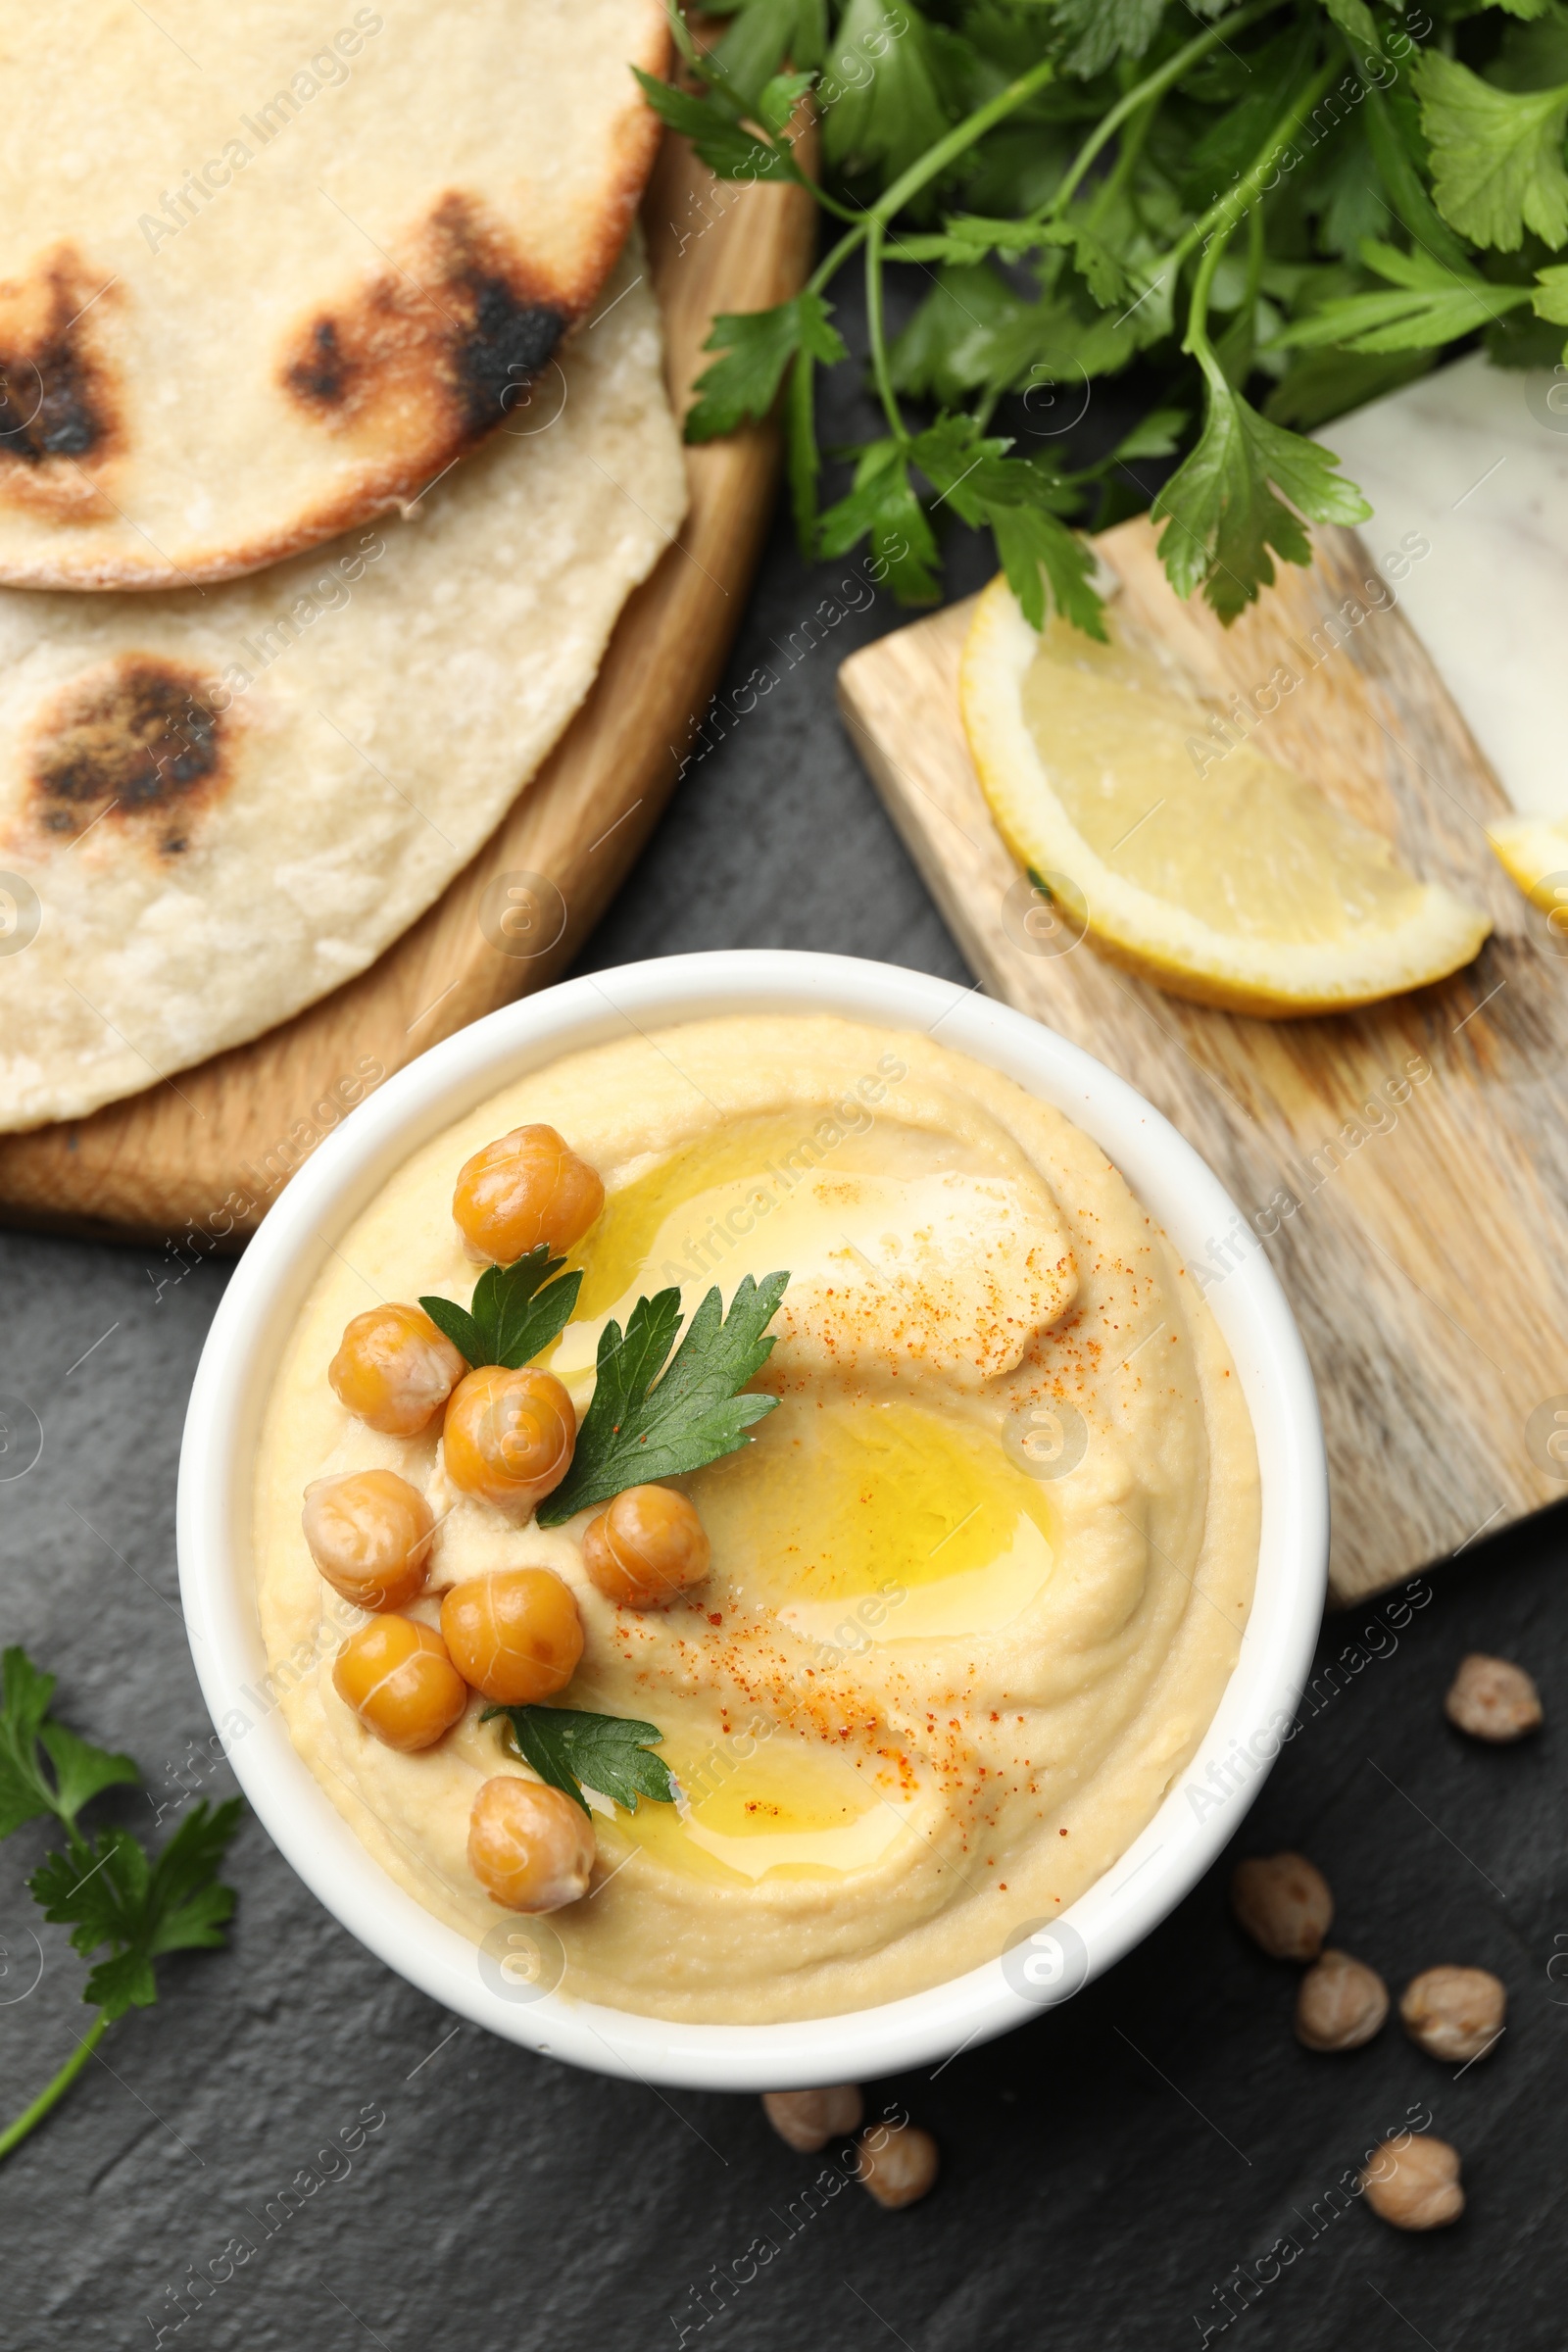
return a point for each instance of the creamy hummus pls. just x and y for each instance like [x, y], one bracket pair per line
[978, 1583]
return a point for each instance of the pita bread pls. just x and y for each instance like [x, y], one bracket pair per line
[265, 270]
[216, 805]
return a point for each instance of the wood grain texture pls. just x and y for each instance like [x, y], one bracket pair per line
[197, 1158]
[1419, 1223]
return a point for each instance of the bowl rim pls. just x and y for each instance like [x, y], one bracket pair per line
[260, 1303]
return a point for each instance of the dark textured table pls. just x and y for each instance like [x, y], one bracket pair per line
[1157, 2163]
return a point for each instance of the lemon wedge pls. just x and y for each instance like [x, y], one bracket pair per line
[1182, 852]
[1533, 853]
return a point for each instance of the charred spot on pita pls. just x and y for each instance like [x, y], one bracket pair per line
[509, 342]
[142, 747]
[55, 400]
[321, 374]
[453, 338]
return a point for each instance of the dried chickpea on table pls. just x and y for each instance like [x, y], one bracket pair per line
[1455, 2014]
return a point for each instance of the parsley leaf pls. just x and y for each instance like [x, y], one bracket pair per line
[714, 128]
[967, 239]
[1020, 499]
[1092, 259]
[757, 346]
[976, 332]
[107, 1892]
[779, 99]
[1156, 435]
[763, 34]
[1393, 125]
[1354, 17]
[1221, 514]
[1432, 305]
[567, 1746]
[1497, 154]
[636, 1431]
[27, 1786]
[881, 504]
[1106, 29]
[1550, 299]
[111, 1895]
[1327, 382]
[512, 1318]
[881, 88]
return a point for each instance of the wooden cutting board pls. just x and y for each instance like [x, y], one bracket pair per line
[1423, 1144]
[194, 1161]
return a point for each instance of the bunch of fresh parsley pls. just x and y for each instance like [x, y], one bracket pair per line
[107, 1889]
[1270, 213]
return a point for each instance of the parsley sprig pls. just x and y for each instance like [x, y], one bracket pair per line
[649, 1419]
[1059, 183]
[569, 1746]
[107, 1889]
[641, 1425]
[515, 1314]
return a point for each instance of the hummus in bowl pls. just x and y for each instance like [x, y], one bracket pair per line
[977, 1581]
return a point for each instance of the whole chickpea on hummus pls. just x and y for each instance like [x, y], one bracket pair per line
[922, 1649]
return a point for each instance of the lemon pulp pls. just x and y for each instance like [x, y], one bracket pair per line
[1245, 845]
[1178, 848]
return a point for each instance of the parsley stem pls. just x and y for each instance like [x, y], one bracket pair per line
[929, 165]
[1153, 86]
[962, 137]
[1126, 164]
[801, 414]
[58, 2087]
[874, 332]
[1228, 210]
[1197, 337]
[1228, 215]
[872, 230]
[1257, 253]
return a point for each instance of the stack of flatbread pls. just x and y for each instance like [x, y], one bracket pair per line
[333, 436]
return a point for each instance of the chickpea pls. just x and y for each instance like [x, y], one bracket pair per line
[397, 1677]
[514, 1634]
[1416, 2186]
[897, 2164]
[808, 2119]
[1341, 2003]
[369, 1536]
[527, 1188]
[530, 1847]
[1454, 2013]
[395, 1370]
[647, 1545]
[508, 1437]
[1284, 1904]
[1493, 1699]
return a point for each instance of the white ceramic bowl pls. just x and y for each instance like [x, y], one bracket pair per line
[266, 1294]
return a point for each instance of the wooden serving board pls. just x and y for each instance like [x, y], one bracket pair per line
[1426, 1255]
[196, 1160]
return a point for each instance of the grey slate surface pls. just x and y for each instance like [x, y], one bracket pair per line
[1105, 2169]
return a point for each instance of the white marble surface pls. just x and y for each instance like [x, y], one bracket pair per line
[1474, 460]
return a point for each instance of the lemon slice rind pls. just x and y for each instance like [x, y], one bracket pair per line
[1156, 938]
[1533, 853]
